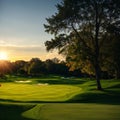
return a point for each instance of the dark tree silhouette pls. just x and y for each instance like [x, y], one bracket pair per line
[5, 68]
[79, 27]
[36, 67]
[18, 67]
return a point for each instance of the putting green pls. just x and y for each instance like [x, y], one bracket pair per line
[70, 111]
[37, 92]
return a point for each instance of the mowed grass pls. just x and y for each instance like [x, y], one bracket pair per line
[72, 99]
[73, 111]
[13, 111]
[35, 93]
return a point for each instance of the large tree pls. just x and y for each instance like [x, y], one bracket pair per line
[113, 64]
[79, 28]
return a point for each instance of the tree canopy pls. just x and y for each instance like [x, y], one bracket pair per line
[80, 29]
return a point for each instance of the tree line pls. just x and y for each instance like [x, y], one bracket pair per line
[87, 33]
[36, 67]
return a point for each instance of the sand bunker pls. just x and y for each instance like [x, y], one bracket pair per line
[22, 81]
[42, 84]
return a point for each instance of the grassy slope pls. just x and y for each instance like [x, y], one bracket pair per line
[74, 111]
[110, 94]
[35, 93]
[61, 89]
[90, 104]
[13, 111]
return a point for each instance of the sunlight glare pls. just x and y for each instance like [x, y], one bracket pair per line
[3, 55]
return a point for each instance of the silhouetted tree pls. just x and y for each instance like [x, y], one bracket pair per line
[18, 67]
[5, 68]
[36, 67]
[50, 66]
[78, 27]
[113, 49]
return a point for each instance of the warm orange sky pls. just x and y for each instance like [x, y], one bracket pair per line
[14, 53]
[22, 34]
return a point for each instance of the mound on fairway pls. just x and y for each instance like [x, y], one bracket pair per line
[13, 111]
[73, 112]
[34, 92]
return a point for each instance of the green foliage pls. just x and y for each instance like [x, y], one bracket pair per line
[114, 54]
[5, 68]
[35, 67]
[18, 67]
[79, 27]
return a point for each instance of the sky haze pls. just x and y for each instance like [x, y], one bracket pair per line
[22, 34]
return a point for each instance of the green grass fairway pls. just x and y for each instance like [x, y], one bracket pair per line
[74, 111]
[58, 98]
[35, 93]
[59, 111]
[13, 111]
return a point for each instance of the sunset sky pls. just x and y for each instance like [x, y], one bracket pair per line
[22, 34]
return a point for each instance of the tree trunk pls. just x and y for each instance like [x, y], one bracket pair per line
[117, 74]
[97, 50]
[97, 67]
[98, 76]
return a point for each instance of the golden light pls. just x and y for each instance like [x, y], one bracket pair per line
[3, 55]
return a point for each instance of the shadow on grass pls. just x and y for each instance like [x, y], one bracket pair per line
[101, 97]
[110, 95]
[94, 96]
[12, 112]
[61, 81]
[114, 86]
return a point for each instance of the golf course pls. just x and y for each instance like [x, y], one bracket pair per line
[59, 59]
[58, 98]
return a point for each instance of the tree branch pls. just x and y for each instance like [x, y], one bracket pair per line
[82, 40]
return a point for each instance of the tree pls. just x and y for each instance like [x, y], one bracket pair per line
[50, 65]
[115, 54]
[5, 68]
[79, 28]
[114, 49]
[36, 67]
[18, 66]
[114, 30]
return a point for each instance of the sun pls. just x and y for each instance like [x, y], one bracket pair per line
[3, 55]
